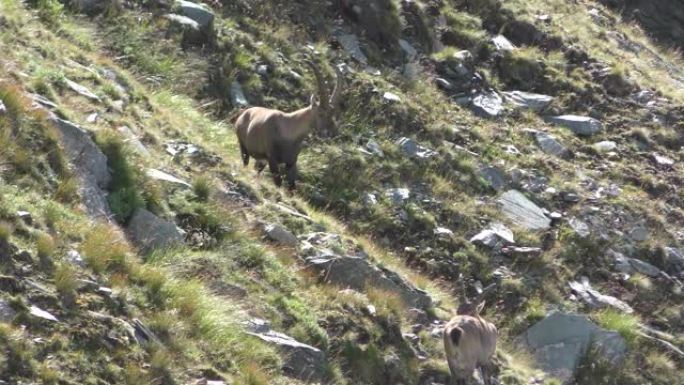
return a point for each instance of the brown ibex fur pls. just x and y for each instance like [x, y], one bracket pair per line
[470, 341]
[276, 137]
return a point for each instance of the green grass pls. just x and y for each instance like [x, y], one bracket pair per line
[625, 324]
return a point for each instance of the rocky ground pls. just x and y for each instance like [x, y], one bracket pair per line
[533, 145]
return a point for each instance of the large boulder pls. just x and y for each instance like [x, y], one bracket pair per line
[149, 232]
[561, 340]
[90, 165]
[522, 211]
[355, 270]
[200, 13]
[580, 125]
[302, 361]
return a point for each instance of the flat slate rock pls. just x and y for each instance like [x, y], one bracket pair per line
[580, 125]
[166, 177]
[522, 211]
[528, 100]
[550, 145]
[487, 105]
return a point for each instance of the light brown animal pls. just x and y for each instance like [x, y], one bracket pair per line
[274, 136]
[470, 341]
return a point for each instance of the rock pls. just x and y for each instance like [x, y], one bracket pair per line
[42, 314]
[494, 176]
[280, 234]
[580, 227]
[645, 268]
[674, 259]
[41, 101]
[200, 13]
[561, 340]
[522, 211]
[237, 96]
[522, 251]
[90, 165]
[398, 195]
[411, 148]
[502, 44]
[369, 199]
[580, 125]
[357, 271]
[6, 312]
[3, 109]
[528, 100]
[161, 175]
[604, 146]
[75, 258]
[418, 316]
[81, 90]
[302, 361]
[550, 145]
[444, 84]
[149, 232]
[595, 299]
[487, 105]
[374, 148]
[183, 22]
[262, 69]
[350, 43]
[620, 262]
[390, 97]
[408, 49]
[495, 235]
[663, 161]
[639, 233]
[442, 231]
[133, 140]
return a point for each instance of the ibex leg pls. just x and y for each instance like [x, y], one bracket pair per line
[245, 155]
[273, 166]
[291, 175]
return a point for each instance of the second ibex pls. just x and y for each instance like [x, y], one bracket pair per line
[275, 136]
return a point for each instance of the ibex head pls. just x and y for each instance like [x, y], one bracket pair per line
[473, 306]
[326, 105]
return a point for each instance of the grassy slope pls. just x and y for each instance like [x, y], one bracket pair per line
[162, 289]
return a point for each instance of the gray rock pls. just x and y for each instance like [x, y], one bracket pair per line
[639, 233]
[81, 90]
[604, 146]
[522, 211]
[200, 13]
[183, 22]
[280, 234]
[561, 340]
[411, 148]
[487, 105]
[550, 145]
[41, 101]
[3, 109]
[442, 231]
[391, 97]
[237, 96]
[495, 177]
[302, 361]
[502, 44]
[444, 84]
[663, 161]
[90, 165]
[42, 314]
[166, 177]
[593, 298]
[398, 195]
[374, 148]
[644, 268]
[528, 100]
[357, 271]
[408, 49]
[75, 258]
[620, 262]
[6, 312]
[675, 259]
[149, 232]
[580, 227]
[350, 43]
[369, 199]
[496, 234]
[580, 125]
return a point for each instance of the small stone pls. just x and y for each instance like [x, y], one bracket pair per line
[81, 90]
[25, 216]
[40, 313]
[3, 109]
[74, 257]
[580, 227]
[443, 84]
[502, 44]
[280, 234]
[411, 148]
[663, 161]
[398, 195]
[604, 146]
[262, 69]
[374, 148]
[92, 118]
[442, 231]
[370, 199]
[495, 234]
[494, 176]
[550, 145]
[6, 312]
[639, 233]
[391, 97]
[580, 125]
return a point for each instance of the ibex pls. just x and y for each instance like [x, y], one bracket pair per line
[276, 137]
[470, 341]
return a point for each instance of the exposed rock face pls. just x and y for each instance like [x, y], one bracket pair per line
[149, 232]
[560, 341]
[356, 271]
[593, 298]
[580, 125]
[90, 165]
[522, 211]
[302, 361]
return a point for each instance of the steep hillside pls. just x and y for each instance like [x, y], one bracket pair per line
[533, 145]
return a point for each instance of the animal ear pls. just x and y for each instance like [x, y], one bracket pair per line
[479, 307]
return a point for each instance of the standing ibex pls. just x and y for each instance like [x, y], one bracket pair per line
[470, 341]
[276, 136]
